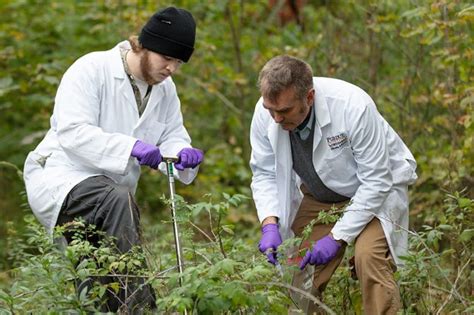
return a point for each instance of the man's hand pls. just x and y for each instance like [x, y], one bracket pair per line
[147, 154]
[189, 158]
[323, 252]
[270, 241]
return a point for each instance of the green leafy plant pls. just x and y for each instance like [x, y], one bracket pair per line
[220, 271]
[413, 58]
[437, 277]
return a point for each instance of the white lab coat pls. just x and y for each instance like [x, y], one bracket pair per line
[94, 125]
[355, 153]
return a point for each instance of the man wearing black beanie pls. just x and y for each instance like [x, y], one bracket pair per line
[114, 112]
[170, 32]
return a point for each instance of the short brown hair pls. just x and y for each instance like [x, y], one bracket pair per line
[282, 72]
[135, 43]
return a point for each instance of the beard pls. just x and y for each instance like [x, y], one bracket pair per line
[145, 65]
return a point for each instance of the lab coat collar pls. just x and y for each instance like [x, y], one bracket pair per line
[118, 72]
[117, 68]
[321, 108]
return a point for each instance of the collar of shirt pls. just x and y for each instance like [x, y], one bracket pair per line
[138, 90]
[304, 129]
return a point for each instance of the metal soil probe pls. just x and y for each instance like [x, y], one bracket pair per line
[179, 253]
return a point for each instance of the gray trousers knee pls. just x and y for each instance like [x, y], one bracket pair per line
[111, 208]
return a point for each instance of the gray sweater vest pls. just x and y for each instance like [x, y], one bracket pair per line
[302, 154]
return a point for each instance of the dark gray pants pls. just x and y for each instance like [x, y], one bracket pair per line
[111, 208]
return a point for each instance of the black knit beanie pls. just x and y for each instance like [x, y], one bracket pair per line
[170, 32]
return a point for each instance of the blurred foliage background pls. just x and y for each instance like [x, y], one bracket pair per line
[414, 57]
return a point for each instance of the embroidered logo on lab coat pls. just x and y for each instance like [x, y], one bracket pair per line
[337, 141]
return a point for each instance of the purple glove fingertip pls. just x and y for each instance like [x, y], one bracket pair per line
[179, 167]
[272, 257]
[305, 260]
[270, 241]
[147, 154]
[138, 147]
[189, 158]
[323, 251]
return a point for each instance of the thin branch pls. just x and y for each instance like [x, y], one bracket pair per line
[210, 225]
[302, 292]
[411, 80]
[219, 238]
[29, 292]
[201, 255]
[443, 290]
[458, 296]
[219, 95]
[8, 164]
[202, 231]
[235, 37]
[154, 276]
[454, 287]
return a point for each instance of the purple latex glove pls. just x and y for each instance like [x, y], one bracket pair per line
[189, 158]
[270, 241]
[147, 154]
[323, 252]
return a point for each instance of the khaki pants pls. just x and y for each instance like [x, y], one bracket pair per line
[373, 263]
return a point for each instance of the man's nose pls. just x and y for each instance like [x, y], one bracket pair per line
[172, 66]
[278, 118]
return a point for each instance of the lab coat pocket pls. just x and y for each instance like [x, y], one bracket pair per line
[38, 192]
[341, 166]
[35, 160]
[395, 205]
[154, 132]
